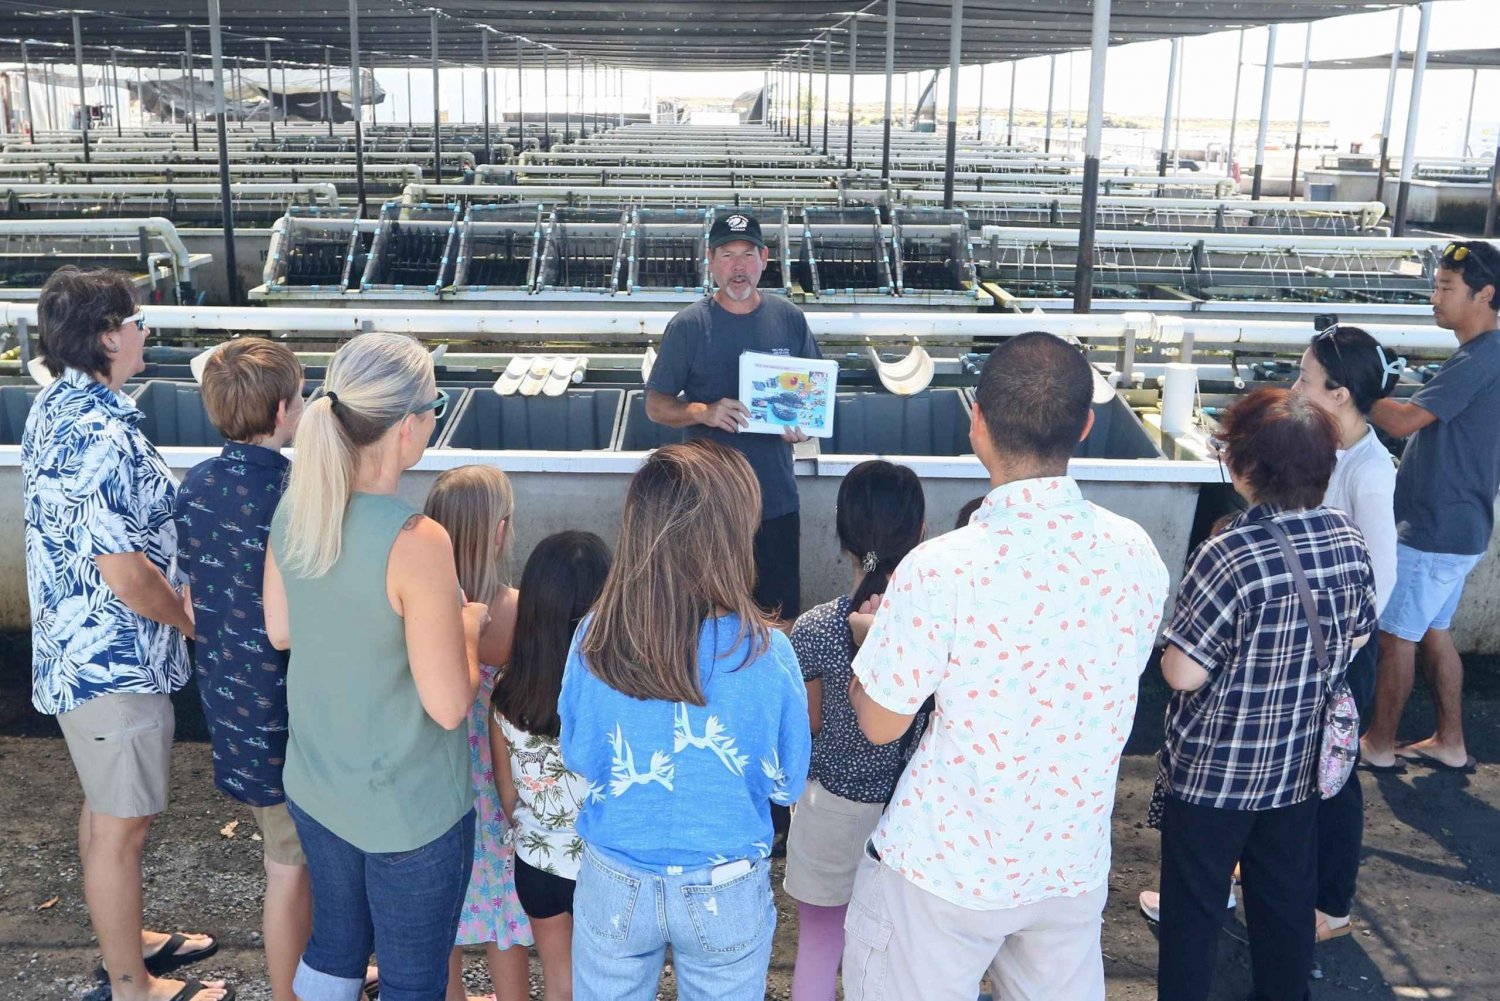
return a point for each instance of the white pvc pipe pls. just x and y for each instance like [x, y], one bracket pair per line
[931, 327]
[156, 226]
[319, 190]
[1227, 242]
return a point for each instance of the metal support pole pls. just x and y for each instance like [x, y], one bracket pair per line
[437, 87]
[1489, 215]
[26, 93]
[484, 75]
[216, 50]
[797, 105]
[1234, 111]
[239, 90]
[271, 93]
[890, 69]
[520, 102]
[809, 94]
[853, 66]
[567, 92]
[1383, 166]
[1010, 114]
[114, 68]
[47, 77]
[1166, 116]
[1265, 114]
[83, 100]
[356, 102]
[1301, 110]
[620, 94]
[955, 55]
[1083, 271]
[1051, 89]
[192, 85]
[1469, 118]
[979, 116]
[827, 85]
[1413, 114]
[546, 103]
[329, 95]
[286, 101]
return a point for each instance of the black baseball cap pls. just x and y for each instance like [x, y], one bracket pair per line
[732, 227]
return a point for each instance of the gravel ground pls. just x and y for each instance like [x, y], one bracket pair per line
[1427, 891]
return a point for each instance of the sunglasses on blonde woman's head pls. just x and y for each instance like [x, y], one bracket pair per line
[439, 406]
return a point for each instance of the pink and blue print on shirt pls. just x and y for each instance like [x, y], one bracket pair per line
[1030, 627]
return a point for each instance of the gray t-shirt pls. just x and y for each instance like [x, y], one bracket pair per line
[1446, 484]
[699, 358]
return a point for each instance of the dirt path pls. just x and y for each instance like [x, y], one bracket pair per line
[1428, 889]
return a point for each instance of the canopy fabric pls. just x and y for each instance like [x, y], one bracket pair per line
[1450, 59]
[692, 35]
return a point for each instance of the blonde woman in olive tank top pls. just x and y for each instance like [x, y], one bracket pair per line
[384, 666]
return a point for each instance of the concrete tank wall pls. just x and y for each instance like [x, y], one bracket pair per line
[557, 491]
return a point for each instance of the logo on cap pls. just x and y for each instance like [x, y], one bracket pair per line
[737, 223]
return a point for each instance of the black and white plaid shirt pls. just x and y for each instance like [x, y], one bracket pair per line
[1249, 738]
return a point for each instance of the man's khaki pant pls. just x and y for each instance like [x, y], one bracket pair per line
[902, 943]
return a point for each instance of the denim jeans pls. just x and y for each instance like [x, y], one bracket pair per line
[624, 919]
[403, 906]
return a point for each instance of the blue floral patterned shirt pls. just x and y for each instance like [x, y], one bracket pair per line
[223, 516]
[674, 787]
[94, 486]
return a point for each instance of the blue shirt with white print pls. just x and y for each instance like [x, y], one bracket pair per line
[674, 786]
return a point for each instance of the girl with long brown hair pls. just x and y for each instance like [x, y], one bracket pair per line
[475, 504]
[686, 714]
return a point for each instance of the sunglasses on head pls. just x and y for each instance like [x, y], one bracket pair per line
[1458, 253]
[439, 406]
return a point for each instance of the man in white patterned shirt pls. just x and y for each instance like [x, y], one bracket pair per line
[1030, 628]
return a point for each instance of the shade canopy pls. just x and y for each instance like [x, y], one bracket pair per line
[1450, 59]
[694, 35]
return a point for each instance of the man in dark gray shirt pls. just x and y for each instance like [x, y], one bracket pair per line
[694, 385]
[1445, 511]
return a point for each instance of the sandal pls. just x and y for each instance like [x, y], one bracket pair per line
[167, 958]
[192, 988]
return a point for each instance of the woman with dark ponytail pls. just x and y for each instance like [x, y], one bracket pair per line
[881, 517]
[1344, 371]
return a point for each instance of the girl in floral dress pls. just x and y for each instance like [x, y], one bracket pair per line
[561, 581]
[474, 503]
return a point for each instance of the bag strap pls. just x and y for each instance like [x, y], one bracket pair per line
[1304, 591]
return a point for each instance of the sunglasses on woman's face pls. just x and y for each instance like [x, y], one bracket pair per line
[439, 406]
[139, 319]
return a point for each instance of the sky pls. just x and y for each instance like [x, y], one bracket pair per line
[1352, 102]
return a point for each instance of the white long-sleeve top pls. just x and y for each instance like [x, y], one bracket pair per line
[1363, 486]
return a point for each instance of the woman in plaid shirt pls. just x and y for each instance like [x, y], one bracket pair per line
[1238, 767]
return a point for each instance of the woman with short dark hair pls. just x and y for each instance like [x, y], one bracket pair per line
[1238, 769]
[107, 613]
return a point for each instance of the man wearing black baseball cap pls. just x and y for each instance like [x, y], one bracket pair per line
[694, 385]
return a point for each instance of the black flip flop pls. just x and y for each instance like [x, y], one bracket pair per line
[1397, 767]
[167, 958]
[192, 988]
[1419, 757]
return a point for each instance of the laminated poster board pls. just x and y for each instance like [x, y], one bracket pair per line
[782, 391]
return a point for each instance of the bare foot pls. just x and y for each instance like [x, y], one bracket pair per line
[161, 989]
[1379, 757]
[1453, 757]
